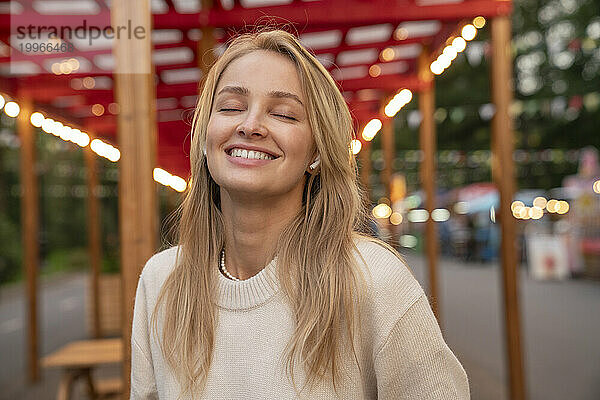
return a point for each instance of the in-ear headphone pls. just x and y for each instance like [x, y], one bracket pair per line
[204, 150]
[316, 163]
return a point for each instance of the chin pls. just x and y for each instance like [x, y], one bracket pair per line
[243, 186]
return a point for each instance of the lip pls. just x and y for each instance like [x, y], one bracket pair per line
[250, 147]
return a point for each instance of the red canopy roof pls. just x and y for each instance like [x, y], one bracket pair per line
[348, 37]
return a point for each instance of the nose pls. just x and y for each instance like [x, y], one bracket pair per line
[252, 124]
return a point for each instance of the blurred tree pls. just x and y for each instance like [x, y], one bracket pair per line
[557, 97]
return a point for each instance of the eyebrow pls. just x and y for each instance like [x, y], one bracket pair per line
[278, 94]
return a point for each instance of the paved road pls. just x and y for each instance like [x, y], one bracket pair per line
[62, 319]
[560, 325]
[561, 331]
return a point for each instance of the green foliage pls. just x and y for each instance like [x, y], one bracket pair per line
[555, 62]
[62, 187]
[110, 264]
[66, 260]
[10, 249]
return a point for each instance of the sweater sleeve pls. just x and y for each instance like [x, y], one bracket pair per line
[415, 362]
[143, 383]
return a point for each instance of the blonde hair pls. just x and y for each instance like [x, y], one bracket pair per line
[315, 264]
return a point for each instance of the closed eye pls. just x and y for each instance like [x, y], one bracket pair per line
[286, 117]
[229, 109]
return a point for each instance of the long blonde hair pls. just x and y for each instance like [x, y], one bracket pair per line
[315, 264]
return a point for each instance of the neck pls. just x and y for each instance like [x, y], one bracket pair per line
[252, 229]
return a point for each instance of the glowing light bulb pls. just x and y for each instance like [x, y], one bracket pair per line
[12, 109]
[356, 146]
[468, 32]
[37, 119]
[459, 44]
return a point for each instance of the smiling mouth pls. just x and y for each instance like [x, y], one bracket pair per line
[250, 154]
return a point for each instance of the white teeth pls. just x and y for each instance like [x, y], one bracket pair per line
[252, 154]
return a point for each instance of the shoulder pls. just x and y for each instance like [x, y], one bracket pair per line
[390, 287]
[155, 273]
[157, 269]
[386, 273]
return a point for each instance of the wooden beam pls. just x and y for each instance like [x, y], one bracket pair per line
[427, 141]
[94, 238]
[386, 82]
[342, 13]
[503, 171]
[30, 232]
[138, 212]
[321, 15]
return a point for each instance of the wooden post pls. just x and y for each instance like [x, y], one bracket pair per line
[135, 93]
[30, 231]
[206, 54]
[94, 238]
[364, 158]
[503, 170]
[387, 144]
[427, 141]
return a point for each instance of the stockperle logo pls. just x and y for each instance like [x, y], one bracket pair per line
[62, 43]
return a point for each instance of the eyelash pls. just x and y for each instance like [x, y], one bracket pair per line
[286, 117]
[277, 115]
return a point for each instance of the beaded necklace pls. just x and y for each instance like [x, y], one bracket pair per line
[224, 270]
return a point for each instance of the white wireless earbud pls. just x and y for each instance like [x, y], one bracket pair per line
[204, 150]
[316, 163]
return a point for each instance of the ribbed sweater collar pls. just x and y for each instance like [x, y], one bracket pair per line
[249, 293]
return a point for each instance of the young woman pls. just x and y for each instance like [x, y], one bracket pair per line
[272, 293]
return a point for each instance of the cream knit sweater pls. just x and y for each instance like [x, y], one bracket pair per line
[400, 349]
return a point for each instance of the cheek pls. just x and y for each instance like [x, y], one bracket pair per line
[303, 144]
[213, 130]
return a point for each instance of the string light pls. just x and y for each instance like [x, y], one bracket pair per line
[356, 146]
[418, 215]
[479, 22]
[520, 211]
[397, 102]
[374, 70]
[382, 210]
[540, 202]
[12, 109]
[562, 207]
[164, 178]
[37, 119]
[468, 32]
[396, 218]
[457, 45]
[551, 205]
[48, 125]
[596, 187]
[387, 54]
[436, 67]
[440, 215]
[105, 150]
[371, 129]
[82, 139]
[450, 52]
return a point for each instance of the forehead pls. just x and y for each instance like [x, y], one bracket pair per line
[262, 71]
